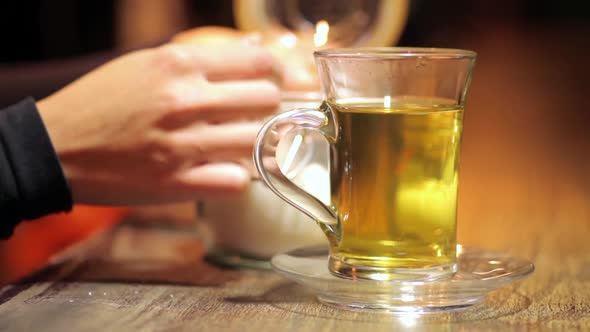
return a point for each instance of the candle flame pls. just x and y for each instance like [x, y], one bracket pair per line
[320, 37]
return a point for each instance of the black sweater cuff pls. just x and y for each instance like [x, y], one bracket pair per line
[32, 182]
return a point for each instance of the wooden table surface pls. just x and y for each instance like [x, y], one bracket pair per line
[525, 189]
[154, 280]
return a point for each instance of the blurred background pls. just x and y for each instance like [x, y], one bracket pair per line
[527, 115]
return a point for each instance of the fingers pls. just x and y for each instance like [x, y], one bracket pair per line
[252, 99]
[233, 61]
[249, 62]
[222, 101]
[216, 142]
[215, 178]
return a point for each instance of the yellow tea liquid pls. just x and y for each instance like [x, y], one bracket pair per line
[394, 184]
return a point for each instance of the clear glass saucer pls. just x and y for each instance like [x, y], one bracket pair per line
[479, 272]
[235, 260]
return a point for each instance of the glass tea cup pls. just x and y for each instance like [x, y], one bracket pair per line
[393, 118]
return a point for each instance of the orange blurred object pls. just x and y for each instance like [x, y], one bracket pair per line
[34, 243]
[208, 35]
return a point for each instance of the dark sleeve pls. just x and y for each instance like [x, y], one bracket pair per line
[32, 182]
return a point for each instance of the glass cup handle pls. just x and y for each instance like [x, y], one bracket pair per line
[265, 159]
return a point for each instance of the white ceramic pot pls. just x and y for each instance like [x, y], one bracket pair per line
[257, 223]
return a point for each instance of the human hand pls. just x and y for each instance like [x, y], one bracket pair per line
[299, 73]
[162, 124]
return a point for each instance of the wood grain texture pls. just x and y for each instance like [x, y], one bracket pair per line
[525, 189]
[142, 279]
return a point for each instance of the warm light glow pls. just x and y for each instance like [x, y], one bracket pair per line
[408, 298]
[291, 154]
[289, 40]
[380, 276]
[409, 319]
[320, 37]
[387, 102]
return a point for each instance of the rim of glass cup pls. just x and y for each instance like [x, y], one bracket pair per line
[395, 53]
